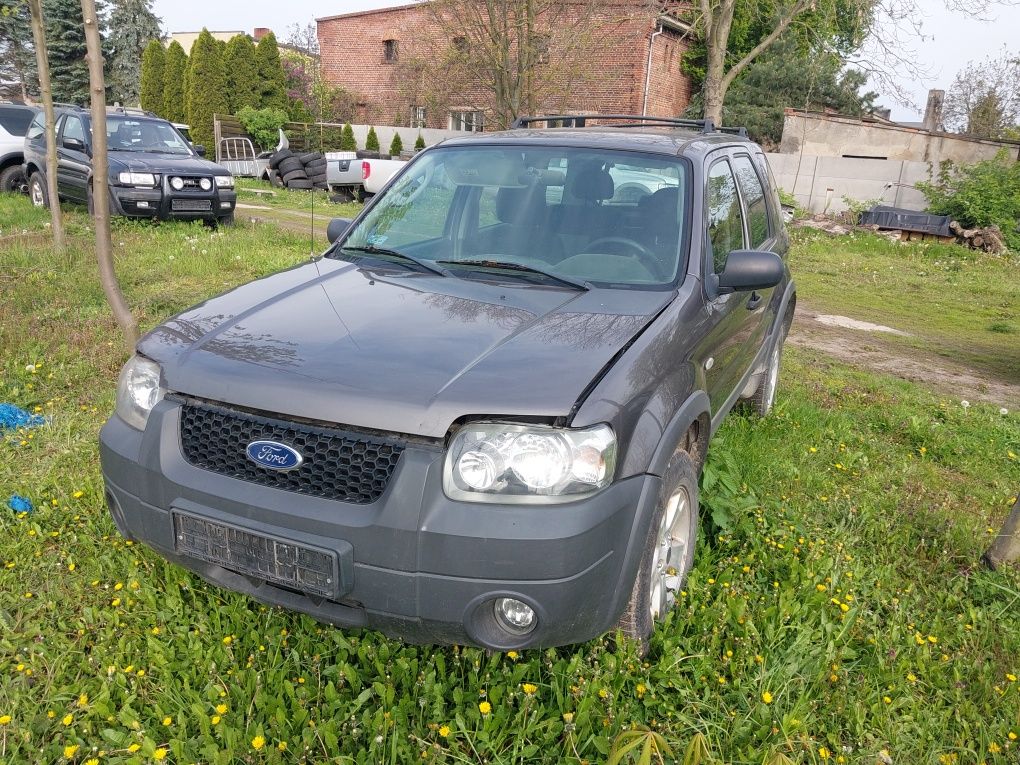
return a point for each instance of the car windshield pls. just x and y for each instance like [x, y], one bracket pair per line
[590, 217]
[127, 134]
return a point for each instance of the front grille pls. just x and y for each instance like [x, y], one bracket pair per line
[191, 181]
[338, 464]
[191, 205]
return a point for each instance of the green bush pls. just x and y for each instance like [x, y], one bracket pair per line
[986, 193]
[206, 89]
[372, 141]
[263, 124]
[347, 140]
[151, 88]
[420, 143]
[396, 145]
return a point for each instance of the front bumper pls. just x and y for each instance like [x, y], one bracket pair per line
[166, 204]
[414, 564]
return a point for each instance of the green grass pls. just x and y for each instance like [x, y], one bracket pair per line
[842, 579]
[954, 302]
[291, 199]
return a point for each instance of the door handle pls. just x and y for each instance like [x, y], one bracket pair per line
[754, 301]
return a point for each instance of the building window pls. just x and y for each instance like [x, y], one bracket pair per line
[389, 51]
[469, 121]
[460, 44]
[418, 120]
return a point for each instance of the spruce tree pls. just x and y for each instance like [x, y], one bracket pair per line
[396, 145]
[17, 52]
[347, 140]
[174, 70]
[239, 71]
[272, 82]
[372, 140]
[132, 26]
[65, 42]
[206, 93]
[151, 87]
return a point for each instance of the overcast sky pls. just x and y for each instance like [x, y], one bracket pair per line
[950, 39]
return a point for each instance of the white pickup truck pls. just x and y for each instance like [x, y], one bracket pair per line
[352, 178]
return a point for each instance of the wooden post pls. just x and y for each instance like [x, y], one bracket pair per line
[99, 192]
[42, 64]
[1006, 546]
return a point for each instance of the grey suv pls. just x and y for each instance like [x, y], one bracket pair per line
[480, 417]
[14, 121]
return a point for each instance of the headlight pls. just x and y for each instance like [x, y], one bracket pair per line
[137, 179]
[224, 181]
[138, 391]
[494, 462]
[177, 183]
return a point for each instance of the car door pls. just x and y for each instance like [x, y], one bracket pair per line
[73, 163]
[760, 307]
[723, 232]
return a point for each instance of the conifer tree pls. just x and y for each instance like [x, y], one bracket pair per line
[65, 38]
[240, 74]
[420, 143]
[372, 140]
[272, 82]
[206, 94]
[174, 71]
[347, 140]
[132, 26]
[150, 92]
[396, 145]
[17, 52]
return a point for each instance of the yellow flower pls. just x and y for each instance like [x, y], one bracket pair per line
[282, 746]
[68, 719]
[154, 630]
[70, 567]
[159, 754]
[485, 707]
[115, 602]
[444, 731]
[215, 720]
[529, 688]
[228, 640]
[824, 753]
[1011, 677]
[70, 751]
[221, 709]
[83, 700]
[5, 719]
[512, 655]
[994, 748]
[641, 690]
[603, 693]
[911, 677]
[92, 761]
[568, 717]
[820, 587]
[134, 748]
[258, 742]
[1011, 736]
[887, 700]
[167, 720]
[118, 587]
[766, 697]
[140, 673]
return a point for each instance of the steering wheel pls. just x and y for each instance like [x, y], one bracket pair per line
[646, 257]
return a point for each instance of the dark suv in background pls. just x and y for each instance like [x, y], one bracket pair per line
[14, 121]
[154, 171]
[481, 415]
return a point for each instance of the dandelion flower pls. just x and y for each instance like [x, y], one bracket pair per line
[228, 640]
[485, 707]
[159, 754]
[83, 700]
[70, 751]
[221, 709]
[641, 690]
[134, 748]
[994, 748]
[568, 717]
[444, 731]
[68, 719]
[167, 720]
[821, 587]
[92, 761]
[529, 688]
[282, 746]
[886, 700]
[824, 753]
[215, 720]
[766, 697]
[258, 742]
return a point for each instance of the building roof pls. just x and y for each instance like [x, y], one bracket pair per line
[369, 12]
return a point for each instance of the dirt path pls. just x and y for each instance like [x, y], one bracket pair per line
[871, 349]
[292, 220]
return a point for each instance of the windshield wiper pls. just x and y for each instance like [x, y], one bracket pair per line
[522, 268]
[373, 250]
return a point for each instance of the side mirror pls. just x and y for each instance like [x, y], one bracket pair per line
[751, 270]
[336, 228]
[74, 144]
[199, 149]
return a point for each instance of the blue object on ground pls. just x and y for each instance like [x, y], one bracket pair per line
[12, 417]
[19, 504]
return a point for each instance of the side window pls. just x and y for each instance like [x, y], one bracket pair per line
[36, 129]
[725, 222]
[15, 120]
[72, 129]
[754, 201]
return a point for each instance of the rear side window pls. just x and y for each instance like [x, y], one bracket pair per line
[36, 129]
[754, 201]
[15, 121]
[725, 220]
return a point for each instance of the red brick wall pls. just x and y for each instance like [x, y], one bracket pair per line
[351, 50]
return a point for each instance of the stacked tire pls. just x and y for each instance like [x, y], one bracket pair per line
[306, 170]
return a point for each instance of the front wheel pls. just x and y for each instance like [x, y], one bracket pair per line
[37, 190]
[669, 551]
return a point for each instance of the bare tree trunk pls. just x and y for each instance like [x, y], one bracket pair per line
[1006, 547]
[100, 189]
[43, 65]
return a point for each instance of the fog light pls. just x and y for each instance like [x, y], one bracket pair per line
[225, 205]
[143, 204]
[205, 183]
[515, 616]
[177, 183]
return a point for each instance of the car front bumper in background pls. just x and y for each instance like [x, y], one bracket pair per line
[167, 205]
[413, 563]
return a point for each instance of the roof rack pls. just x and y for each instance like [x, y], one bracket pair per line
[632, 120]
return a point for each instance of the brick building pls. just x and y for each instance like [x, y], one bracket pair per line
[631, 67]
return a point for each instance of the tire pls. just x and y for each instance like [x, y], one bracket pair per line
[225, 220]
[90, 203]
[319, 166]
[311, 156]
[280, 156]
[37, 190]
[294, 175]
[13, 180]
[760, 403]
[321, 185]
[668, 554]
[366, 154]
[299, 184]
[276, 180]
[342, 195]
[289, 165]
[317, 178]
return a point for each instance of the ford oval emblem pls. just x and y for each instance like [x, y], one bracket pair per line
[274, 455]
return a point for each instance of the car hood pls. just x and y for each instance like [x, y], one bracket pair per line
[149, 162]
[396, 350]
